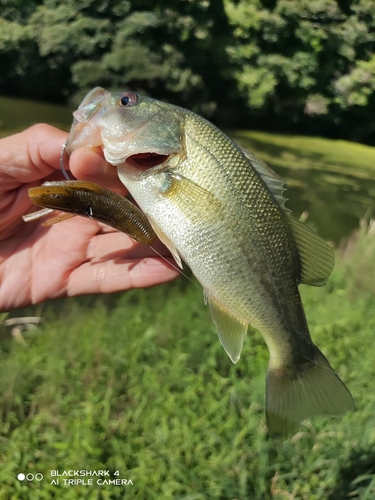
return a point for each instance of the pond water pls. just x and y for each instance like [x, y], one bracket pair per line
[333, 182]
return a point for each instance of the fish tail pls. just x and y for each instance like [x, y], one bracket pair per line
[313, 388]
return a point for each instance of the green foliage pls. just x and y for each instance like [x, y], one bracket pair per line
[277, 63]
[357, 87]
[310, 60]
[139, 383]
[77, 45]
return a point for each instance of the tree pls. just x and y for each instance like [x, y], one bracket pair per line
[172, 50]
[281, 64]
[304, 62]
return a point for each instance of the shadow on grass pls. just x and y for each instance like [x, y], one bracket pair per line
[357, 478]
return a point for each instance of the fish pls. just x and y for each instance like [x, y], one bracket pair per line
[221, 210]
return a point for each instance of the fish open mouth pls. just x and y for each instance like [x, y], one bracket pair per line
[145, 161]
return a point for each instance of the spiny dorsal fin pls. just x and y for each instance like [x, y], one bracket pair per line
[274, 183]
[316, 256]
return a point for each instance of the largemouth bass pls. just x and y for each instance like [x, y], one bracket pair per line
[221, 210]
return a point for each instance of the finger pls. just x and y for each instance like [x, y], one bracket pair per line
[88, 164]
[30, 155]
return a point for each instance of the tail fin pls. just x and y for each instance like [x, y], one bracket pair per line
[314, 390]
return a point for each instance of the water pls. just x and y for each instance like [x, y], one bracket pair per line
[331, 182]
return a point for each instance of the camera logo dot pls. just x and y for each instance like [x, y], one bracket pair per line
[30, 477]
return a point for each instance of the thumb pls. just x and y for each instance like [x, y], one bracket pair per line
[30, 155]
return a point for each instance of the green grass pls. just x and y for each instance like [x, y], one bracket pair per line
[139, 383]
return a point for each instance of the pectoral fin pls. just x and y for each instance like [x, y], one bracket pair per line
[231, 331]
[194, 200]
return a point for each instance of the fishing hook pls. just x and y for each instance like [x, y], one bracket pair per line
[62, 165]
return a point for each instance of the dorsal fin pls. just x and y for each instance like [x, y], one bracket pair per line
[316, 255]
[274, 183]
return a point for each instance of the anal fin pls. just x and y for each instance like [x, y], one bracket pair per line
[231, 331]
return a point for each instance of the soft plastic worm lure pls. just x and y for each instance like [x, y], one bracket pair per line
[90, 200]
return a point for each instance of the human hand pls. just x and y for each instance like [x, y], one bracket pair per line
[77, 256]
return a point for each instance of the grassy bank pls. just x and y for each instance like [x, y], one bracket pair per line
[294, 151]
[138, 383]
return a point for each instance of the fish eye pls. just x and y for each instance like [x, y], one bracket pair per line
[128, 99]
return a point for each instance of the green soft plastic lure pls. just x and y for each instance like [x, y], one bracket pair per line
[95, 202]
